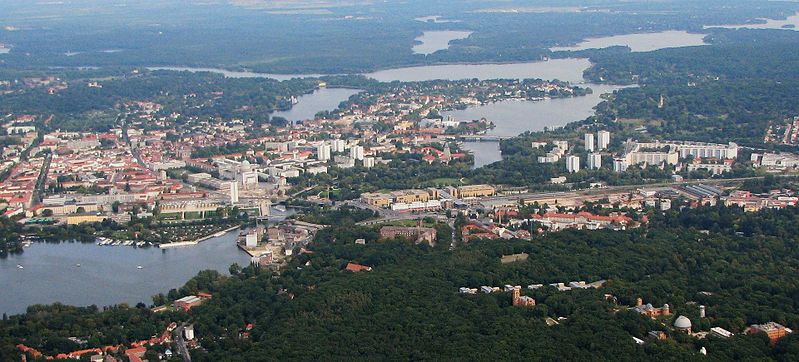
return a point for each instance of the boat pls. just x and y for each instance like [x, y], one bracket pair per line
[139, 267]
[20, 266]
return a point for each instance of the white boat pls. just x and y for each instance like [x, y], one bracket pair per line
[20, 266]
[219, 234]
[139, 267]
[77, 265]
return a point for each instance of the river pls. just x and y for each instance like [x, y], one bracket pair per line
[107, 274]
[433, 41]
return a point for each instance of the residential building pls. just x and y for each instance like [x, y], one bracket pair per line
[572, 164]
[713, 168]
[620, 165]
[323, 152]
[594, 161]
[357, 153]
[603, 138]
[589, 142]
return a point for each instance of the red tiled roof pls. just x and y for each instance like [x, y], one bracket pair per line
[353, 267]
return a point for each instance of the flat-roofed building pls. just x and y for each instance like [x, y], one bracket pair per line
[476, 191]
[410, 196]
[376, 199]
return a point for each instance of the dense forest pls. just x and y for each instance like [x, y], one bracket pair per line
[408, 307]
[10, 241]
[275, 37]
[204, 95]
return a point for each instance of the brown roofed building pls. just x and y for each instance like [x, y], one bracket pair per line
[419, 234]
[355, 268]
[773, 330]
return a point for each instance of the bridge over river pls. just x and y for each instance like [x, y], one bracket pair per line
[482, 138]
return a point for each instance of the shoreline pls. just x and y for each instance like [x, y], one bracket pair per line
[197, 241]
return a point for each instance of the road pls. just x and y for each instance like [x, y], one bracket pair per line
[42, 180]
[183, 351]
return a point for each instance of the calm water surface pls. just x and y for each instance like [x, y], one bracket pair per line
[107, 274]
[562, 69]
[238, 74]
[642, 42]
[325, 99]
[512, 118]
[769, 24]
[433, 41]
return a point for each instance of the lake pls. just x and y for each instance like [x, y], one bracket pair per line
[433, 41]
[485, 153]
[563, 69]
[641, 42]
[514, 117]
[570, 69]
[769, 24]
[325, 99]
[108, 274]
[238, 74]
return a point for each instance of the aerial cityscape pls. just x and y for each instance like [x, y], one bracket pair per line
[400, 180]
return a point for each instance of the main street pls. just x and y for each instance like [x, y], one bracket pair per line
[183, 351]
